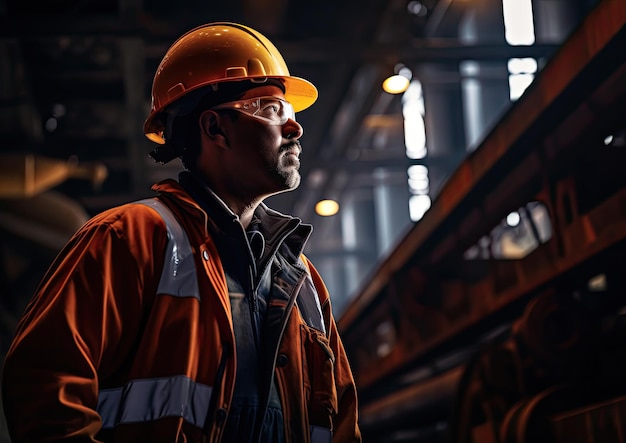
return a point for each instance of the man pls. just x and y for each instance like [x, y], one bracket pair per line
[192, 316]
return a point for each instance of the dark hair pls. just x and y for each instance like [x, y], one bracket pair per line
[182, 131]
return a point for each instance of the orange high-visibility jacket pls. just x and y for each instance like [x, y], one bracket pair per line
[129, 338]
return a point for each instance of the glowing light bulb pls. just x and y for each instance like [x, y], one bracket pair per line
[326, 208]
[396, 84]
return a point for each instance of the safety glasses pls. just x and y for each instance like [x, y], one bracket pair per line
[272, 110]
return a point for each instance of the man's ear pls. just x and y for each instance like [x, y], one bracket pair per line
[211, 127]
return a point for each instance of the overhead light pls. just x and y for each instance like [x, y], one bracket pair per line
[399, 82]
[417, 8]
[326, 208]
[513, 219]
[396, 84]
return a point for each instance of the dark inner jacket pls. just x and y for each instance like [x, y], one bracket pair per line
[248, 262]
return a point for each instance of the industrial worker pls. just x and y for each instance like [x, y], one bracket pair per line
[192, 316]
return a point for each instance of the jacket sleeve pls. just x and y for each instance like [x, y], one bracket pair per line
[77, 329]
[345, 423]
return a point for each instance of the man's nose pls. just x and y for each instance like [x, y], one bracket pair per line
[292, 129]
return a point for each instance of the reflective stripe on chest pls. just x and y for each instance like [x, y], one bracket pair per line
[179, 277]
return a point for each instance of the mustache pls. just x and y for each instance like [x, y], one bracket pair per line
[292, 144]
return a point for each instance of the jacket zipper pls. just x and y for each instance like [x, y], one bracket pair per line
[284, 320]
[254, 311]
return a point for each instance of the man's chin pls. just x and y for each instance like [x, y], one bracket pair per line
[291, 180]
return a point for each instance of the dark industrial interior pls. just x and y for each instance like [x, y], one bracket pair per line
[475, 261]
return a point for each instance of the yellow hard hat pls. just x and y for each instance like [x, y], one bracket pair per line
[215, 53]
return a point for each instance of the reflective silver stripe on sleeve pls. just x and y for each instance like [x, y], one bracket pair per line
[317, 304]
[309, 305]
[179, 276]
[321, 435]
[150, 399]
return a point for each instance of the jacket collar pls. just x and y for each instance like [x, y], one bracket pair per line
[277, 227]
[191, 193]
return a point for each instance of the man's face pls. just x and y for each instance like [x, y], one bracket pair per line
[263, 157]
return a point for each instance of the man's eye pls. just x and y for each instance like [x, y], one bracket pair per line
[270, 108]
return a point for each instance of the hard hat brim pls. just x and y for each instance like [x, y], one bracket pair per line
[299, 92]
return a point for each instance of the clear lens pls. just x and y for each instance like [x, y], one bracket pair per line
[273, 110]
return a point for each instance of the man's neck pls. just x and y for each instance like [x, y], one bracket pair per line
[245, 212]
[243, 208]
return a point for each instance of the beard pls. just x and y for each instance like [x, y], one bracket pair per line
[288, 172]
[288, 168]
